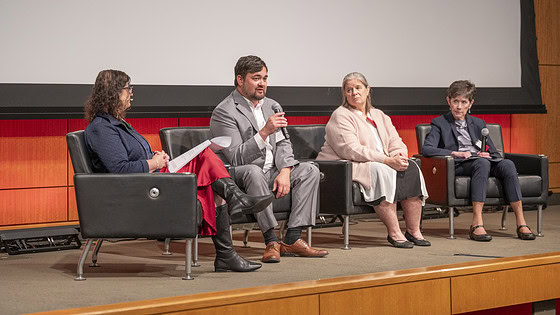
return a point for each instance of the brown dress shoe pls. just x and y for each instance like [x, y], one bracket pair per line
[301, 248]
[271, 253]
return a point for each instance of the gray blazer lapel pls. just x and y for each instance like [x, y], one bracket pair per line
[243, 107]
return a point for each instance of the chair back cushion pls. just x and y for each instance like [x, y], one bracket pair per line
[422, 131]
[81, 160]
[178, 140]
[496, 136]
[307, 140]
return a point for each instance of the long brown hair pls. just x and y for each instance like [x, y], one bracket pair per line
[105, 94]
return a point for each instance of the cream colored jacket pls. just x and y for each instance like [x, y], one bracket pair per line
[348, 137]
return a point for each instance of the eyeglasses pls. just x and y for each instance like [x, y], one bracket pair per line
[129, 88]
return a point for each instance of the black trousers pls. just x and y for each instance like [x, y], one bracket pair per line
[480, 169]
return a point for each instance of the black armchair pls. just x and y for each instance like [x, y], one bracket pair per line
[446, 189]
[177, 140]
[339, 195]
[131, 205]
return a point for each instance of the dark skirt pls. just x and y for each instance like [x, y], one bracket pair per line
[408, 184]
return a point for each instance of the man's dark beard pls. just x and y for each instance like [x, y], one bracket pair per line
[258, 98]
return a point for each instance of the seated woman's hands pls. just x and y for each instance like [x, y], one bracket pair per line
[484, 154]
[466, 155]
[461, 154]
[397, 162]
[159, 160]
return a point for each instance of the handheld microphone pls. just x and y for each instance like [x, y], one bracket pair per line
[484, 132]
[276, 108]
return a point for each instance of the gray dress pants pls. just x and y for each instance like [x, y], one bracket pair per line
[304, 180]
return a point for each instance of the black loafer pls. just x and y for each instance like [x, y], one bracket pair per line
[525, 236]
[479, 237]
[417, 242]
[400, 244]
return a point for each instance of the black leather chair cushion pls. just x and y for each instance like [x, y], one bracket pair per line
[306, 140]
[177, 140]
[110, 206]
[81, 161]
[531, 186]
[357, 196]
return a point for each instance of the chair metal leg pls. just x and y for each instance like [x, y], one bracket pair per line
[166, 247]
[82, 260]
[451, 226]
[346, 232]
[95, 252]
[504, 213]
[309, 235]
[539, 221]
[195, 255]
[246, 239]
[188, 258]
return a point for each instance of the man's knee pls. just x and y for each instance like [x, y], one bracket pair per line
[249, 174]
[310, 170]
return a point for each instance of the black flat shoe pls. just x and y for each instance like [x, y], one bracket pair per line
[417, 242]
[400, 244]
[479, 237]
[525, 236]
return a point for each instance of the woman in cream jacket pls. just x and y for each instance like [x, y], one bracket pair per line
[365, 135]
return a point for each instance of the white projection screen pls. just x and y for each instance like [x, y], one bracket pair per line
[180, 54]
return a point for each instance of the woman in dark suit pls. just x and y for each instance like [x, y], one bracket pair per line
[115, 147]
[458, 134]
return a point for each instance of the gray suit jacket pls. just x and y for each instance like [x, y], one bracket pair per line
[233, 117]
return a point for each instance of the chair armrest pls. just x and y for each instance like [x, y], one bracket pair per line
[137, 205]
[335, 186]
[529, 164]
[439, 176]
[416, 158]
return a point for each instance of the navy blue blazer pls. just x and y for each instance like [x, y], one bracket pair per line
[116, 148]
[442, 139]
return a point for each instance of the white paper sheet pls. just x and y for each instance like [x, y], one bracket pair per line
[215, 144]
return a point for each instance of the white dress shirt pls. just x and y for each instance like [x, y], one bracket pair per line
[259, 117]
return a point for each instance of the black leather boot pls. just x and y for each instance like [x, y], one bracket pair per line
[227, 258]
[240, 203]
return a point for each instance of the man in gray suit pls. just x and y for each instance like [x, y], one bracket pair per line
[264, 160]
